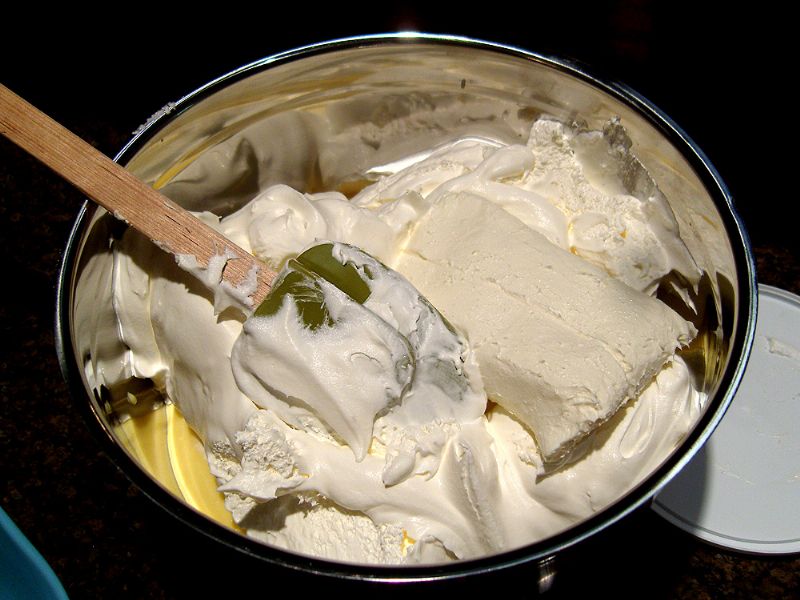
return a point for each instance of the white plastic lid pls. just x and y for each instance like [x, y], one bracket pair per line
[742, 489]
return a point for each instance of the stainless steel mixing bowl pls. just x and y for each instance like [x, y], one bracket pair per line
[360, 87]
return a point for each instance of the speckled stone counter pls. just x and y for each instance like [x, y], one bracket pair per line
[104, 538]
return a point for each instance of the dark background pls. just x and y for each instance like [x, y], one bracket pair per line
[723, 75]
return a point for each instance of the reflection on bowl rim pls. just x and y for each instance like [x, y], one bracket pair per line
[539, 551]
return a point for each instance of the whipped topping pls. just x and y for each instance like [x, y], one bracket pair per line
[344, 439]
[386, 367]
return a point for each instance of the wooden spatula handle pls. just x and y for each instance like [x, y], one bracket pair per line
[171, 227]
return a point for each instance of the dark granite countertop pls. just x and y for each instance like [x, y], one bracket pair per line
[101, 535]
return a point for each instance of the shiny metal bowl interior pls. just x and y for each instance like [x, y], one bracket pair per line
[469, 87]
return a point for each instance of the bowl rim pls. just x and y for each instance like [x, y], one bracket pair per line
[541, 551]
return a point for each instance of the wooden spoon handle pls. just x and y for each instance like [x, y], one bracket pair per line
[169, 226]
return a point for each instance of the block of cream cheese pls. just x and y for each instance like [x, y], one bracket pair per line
[560, 343]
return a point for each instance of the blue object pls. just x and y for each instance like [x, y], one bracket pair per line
[23, 571]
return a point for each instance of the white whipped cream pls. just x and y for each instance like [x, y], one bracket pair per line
[314, 436]
[386, 375]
